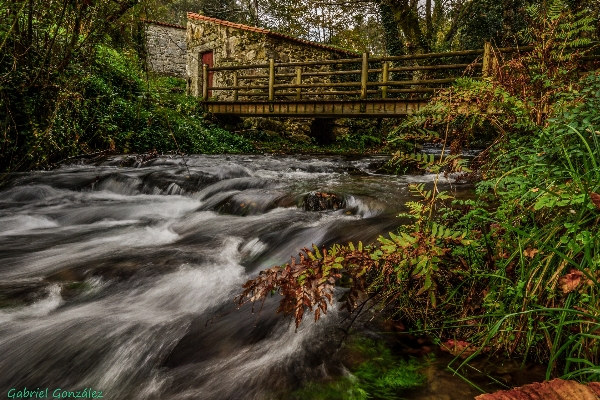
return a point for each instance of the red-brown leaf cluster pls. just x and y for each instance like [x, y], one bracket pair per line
[571, 281]
[308, 283]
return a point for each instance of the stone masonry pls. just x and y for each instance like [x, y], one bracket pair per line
[237, 44]
[166, 49]
[177, 51]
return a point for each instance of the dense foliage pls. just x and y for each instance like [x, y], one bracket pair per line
[378, 26]
[515, 271]
[65, 90]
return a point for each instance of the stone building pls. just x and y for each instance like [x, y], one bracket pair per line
[179, 51]
[225, 43]
[166, 49]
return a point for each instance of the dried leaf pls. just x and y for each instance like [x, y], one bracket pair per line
[571, 281]
[529, 252]
[458, 348]
[556, 389]
[595, 199]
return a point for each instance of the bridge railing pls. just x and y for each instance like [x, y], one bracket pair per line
[362, 78]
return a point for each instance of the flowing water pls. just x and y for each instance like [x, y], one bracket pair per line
[119, 276]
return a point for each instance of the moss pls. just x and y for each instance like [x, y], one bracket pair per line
[377, 374]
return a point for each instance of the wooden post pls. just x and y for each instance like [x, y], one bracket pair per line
[271, 79]
[364, 76]
[487, 59]
[235, 83]
[204, 82]
[298, 82]
[384, 79]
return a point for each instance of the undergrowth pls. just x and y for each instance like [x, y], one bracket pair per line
[514, 272]
[111, 105]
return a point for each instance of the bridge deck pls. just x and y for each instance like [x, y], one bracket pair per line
[371, 108]
[366, 87]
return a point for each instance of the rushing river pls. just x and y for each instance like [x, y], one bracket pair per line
[119, 276]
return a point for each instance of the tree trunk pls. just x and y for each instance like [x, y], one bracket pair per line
[393, 44]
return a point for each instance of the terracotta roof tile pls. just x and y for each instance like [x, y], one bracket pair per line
[149, 21]
[200, 17]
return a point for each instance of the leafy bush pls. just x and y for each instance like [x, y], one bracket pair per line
[520, 278]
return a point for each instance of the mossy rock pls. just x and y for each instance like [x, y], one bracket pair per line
[322, 201]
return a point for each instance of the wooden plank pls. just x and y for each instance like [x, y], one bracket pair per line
[423, 82]
[205, 81]
[239, 87]
[298, 82]
[417, 90]
[235, 83]
[434, 67]
[324, 62]
[271, 79]
[487, 59]
[238, 67]
[364, 76]
[317, 85]
[358, 108]
[429, 55]
[384, 79]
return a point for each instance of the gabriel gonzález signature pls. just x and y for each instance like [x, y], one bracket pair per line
[58, 393]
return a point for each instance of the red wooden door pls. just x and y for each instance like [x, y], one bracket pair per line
[207, 58]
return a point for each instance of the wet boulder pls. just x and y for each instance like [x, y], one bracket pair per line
[321, 201]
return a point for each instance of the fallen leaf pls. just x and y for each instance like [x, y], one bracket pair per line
[535, 190]
[556, 389]
[595, 199]
[571, 281]
[458, 348]
[529, 252]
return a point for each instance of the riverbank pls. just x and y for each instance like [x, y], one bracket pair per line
[115, 107]
[111, 271]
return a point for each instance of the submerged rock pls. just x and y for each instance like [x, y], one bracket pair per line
[321, 201]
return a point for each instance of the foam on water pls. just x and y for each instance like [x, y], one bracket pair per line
[62, 256]
[24, 223]
[136, 269]
[38, 309]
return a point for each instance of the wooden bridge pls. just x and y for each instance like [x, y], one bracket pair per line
[362, 87]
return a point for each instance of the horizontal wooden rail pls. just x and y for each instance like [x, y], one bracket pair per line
[354, 87]
[337, 93]
[529, 48]
[293, 94]
[238, 87]
[514, 49]
[371, 71]
[428, 55]
[337, 84]
[415, 90]
[436, 67]
[316, 85]
[414, 82]
[386, 58]
[238, 67]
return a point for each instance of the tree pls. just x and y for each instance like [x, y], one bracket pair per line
[175, 11]
[42, 46]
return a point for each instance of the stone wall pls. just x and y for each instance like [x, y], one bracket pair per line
[166, 49]
[245, 46]
[234, 44]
